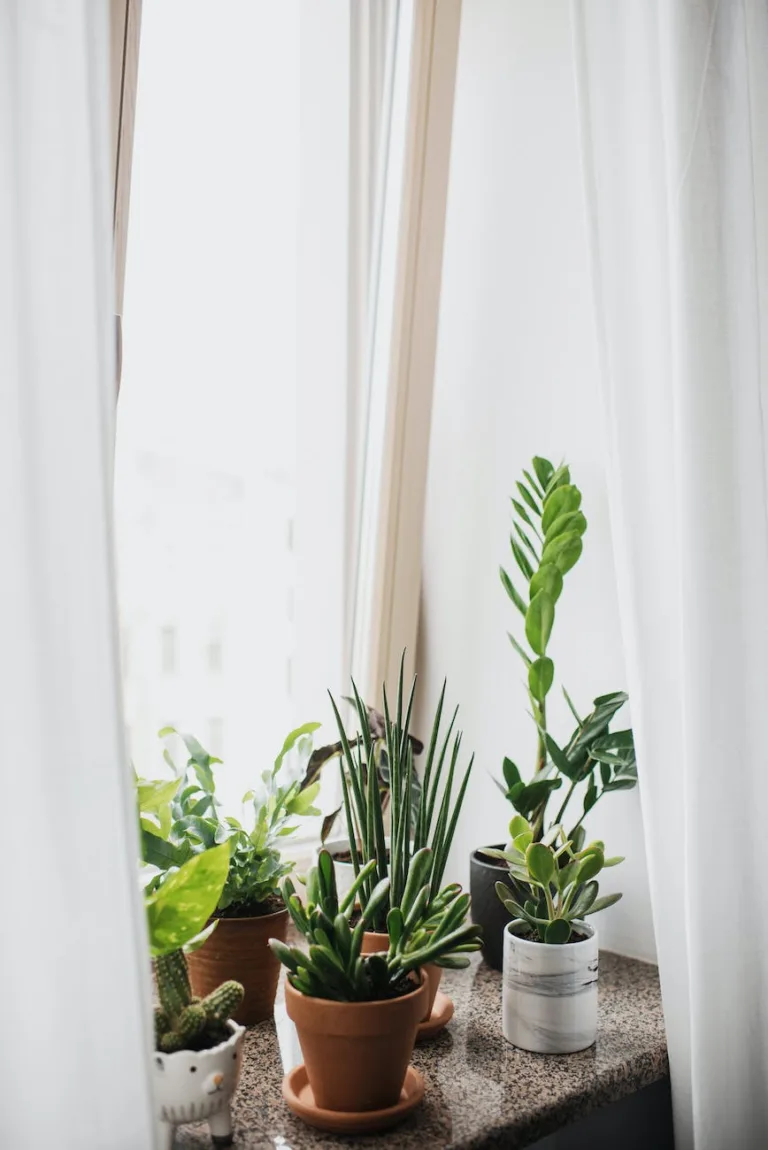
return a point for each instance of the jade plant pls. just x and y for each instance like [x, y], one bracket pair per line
[423, 928]
[182, 818]
[546, 543]
[177, 914]
[555, 884]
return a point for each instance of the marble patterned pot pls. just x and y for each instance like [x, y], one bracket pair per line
[488, 911]
[197, 1085]
[549, 993]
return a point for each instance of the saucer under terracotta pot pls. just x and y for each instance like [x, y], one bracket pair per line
[375, 942]
[238, 948]
[356, 1053]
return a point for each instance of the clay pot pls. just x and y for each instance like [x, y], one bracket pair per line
[356, 1053]
[238, 949]
[374, 942]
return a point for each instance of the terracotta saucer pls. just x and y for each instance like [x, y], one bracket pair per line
[442, 1013]
[299, 1098]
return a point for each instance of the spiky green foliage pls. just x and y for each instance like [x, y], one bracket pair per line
[546, 542]
[423, 928]
[557, 882]
[430, 823]
[186, 1023]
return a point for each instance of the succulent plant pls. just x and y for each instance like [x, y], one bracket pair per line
[177, 914]
[555, 883]
[429, 822]
[546, 542]
[423, 928]
[182, 1021]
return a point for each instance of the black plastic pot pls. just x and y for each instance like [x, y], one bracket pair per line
[488, 911]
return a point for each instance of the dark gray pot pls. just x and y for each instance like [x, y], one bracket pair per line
[488, 911]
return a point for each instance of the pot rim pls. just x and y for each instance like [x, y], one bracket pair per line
[584, 927]
[377, 1002]
[248, 918]
[236, 1029]
[478, 857]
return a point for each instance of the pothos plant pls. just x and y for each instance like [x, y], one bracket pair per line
[546, 543]
[182, 817]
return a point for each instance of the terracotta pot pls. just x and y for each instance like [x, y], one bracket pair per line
[356, 1053]
[238, 949]
[374, 942]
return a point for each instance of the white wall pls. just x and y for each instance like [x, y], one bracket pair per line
[517, 375]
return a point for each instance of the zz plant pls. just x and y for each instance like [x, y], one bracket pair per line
[431, 822]
[546, 543]
[423, 928]
[176, 917]
[555, 885]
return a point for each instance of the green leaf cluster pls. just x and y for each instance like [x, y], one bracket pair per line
[546, 543]
[557, 878]
[181, 819]
[422, 928]
[430, 822]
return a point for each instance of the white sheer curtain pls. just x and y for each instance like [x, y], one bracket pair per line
[674, 112]
[74, 1050]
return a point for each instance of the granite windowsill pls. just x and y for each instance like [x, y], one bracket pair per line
[481, 1093]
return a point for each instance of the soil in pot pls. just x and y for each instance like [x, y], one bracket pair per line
[356, 1053]
[374, 942]
[238, 948]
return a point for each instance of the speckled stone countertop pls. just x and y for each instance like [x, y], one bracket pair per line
[481, 1093]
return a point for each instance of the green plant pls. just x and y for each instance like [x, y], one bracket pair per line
[321, 756]
[181, 818]
[433, 822]
[556, 884]
[177, 914]
[423, 928]
[547, 541]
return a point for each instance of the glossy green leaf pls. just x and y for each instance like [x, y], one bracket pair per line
[533, 484]
[180, 909]
[518, 825]
[560, 502]
[512, 591]
[539, 619]
[291, 741]
[564, 551]
[541, 674]
[560, 478]
[544, 470]
[528, 498]
[548, 578]
[540, 862]
[520, 510]
[571, 521]
[591, 865]
[510, 772]
[520, 650]
[557, 932]
[521, 559]
[603, 903]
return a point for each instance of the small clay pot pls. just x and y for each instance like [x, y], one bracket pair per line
[356, 1053]
[238, 949]
[375, 941]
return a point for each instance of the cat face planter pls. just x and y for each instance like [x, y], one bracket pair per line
[549, 993]
[196, 1085]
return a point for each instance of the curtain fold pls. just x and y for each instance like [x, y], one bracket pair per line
[74, 1057]
[673, 101]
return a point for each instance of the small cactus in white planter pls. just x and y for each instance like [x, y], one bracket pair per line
[199, 1047]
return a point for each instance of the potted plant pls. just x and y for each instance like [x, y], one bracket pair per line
[198, 1047]
[549, 996]
[429, 822]
[334, 841]
[357, 1015]
[546, 543]
[249, 910]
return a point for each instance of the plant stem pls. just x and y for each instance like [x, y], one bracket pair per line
[566, 800]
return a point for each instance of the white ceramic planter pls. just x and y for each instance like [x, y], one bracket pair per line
[549, 993]
[191, 1086]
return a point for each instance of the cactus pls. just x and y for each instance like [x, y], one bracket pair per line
[184, 1022]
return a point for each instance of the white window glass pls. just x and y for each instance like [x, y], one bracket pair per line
[206, 476]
